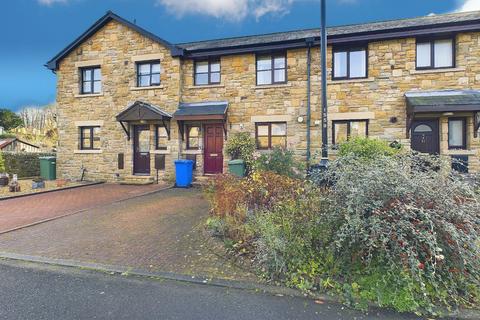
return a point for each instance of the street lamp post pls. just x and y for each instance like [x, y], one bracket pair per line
[323, 48]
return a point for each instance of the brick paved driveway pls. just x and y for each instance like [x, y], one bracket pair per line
[27, 210]
[156, 232]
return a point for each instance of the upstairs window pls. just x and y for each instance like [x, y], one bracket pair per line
[161, 137]
[346, 129]
[148, 74]
[207, 72]
[350, 63]
[457, 133]
[435, 54]
[271, 134]
[89, 138]
[271, 69]
[91, 80]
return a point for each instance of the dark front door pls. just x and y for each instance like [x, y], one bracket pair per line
[141, 149]
[213, 148]
[425, 136]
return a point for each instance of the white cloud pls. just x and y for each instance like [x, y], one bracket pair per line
[469, 5]
[51, 2]
[234, 10]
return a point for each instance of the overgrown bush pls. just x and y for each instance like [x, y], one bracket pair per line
[23, 164]
[242, 146]
[280, 161]
[234, 199]
[399, 230]
[367, 148]
[2, 163]
[407, 221]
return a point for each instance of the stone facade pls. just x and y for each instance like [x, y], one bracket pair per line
[379, 98]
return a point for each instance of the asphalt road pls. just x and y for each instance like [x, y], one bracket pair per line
[34, 291]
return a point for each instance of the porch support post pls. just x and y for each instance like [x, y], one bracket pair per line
[410, 117]
[476, 124]
[181, 129]
[127, 130]
[225, 129]
[167, 128]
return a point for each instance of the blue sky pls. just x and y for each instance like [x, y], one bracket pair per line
[33, 31]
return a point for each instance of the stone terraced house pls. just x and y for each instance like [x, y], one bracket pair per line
[130, 103]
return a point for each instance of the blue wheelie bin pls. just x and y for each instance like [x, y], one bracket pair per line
[183, 173]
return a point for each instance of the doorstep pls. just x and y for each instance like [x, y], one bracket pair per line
[137, 180]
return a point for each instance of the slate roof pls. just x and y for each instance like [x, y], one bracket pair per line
[109, 16]
[443, 100]
[140, 110]
[382, 26]
[392, 29]
[202, 109]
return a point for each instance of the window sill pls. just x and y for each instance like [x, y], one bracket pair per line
[351, 81]
[90, 95]
[272, 86]
[146, 88]
[460, 152]
[161, 151]
[192, 151]
[87, 151]
[209, 86]
[436, 70]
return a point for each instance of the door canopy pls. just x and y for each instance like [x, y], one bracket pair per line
[441, 101]
[140, 111]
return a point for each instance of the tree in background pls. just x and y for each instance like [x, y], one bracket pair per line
[39, 125]
[9, 119]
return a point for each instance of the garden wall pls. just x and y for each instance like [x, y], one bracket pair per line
[23, 164]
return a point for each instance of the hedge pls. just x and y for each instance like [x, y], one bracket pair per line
[23, 164]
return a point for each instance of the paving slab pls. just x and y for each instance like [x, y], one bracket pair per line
[18, 212]
[157, 232]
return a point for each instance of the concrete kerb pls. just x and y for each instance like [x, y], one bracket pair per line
[23, 195]
[196, 279]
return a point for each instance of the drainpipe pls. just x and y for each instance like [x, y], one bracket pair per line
[323, 47]
[309, 64]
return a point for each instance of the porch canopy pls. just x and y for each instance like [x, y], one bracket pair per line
[441, 101]
[140, 111]
[202, 111]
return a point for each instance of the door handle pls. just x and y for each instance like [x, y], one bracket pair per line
[213, 154]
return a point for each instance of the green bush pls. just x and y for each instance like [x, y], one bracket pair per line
[23, 164]
[241, 146]
[401, 231]
[2, 163]
[367, 148]
[280, 161]
[409, 229]
[7, 136]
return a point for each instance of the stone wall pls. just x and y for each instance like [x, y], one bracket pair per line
[116, 48]
[379, 98]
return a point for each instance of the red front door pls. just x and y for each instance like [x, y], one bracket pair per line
[213, 150]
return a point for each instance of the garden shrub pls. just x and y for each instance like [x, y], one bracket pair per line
[2, 163]
[235, 199]
[23, 164]
[242, 146]
[400, 230]
[410, 223]
[367, 148]
[280, 161]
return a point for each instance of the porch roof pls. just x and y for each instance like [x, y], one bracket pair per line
[140, 110]
[216, 110]
[443, 101]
